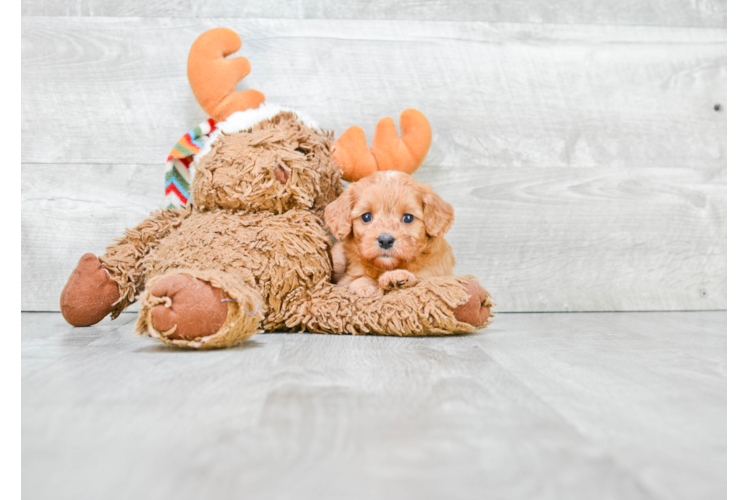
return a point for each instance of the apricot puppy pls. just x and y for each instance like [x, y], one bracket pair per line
[390, 230]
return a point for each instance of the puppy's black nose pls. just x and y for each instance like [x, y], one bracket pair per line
[386, 241]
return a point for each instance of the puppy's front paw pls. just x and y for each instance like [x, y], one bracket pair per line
[364, 287]
[400, 278]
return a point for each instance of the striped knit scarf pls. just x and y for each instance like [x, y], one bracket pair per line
[178, 171]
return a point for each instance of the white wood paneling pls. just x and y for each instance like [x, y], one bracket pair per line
[104, 90]
[735, 186]
[559, 239]
[711, 13]
[735, 192]
[537, 406]
[68, 210]
[551, 239]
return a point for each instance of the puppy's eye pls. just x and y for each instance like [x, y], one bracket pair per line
[407, 218]
[366, 217]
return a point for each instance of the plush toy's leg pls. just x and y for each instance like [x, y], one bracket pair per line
[453, 304]
[125, 258]
[110, 283]
[199, 309]
[90, 294]
[476, 310]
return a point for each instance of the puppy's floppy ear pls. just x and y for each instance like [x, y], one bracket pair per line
[338, 214]
[438, 215]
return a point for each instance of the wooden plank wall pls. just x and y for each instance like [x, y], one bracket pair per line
[735, 177]
[578, 141]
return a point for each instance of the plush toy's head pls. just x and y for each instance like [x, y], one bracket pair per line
[251, 155]
[279, 164]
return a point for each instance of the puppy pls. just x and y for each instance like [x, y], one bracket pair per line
[390, 230]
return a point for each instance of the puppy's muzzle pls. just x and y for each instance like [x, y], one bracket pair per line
[385, 241]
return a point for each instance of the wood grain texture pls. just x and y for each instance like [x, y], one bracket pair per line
[104, 90]
[609, 373]
[552, 239]
[584, 406]
[703, 13]
[558, 239]
[735, 193]
[734, 130]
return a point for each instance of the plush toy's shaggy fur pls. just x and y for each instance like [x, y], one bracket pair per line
[255, 232]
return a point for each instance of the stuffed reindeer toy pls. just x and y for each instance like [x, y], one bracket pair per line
[243, 247]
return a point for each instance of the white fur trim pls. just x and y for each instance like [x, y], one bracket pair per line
[242, 120]
[393, 173]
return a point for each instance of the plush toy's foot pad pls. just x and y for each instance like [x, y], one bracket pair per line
[195, 308]
[90, 294]
[199, 309]
[473, 311]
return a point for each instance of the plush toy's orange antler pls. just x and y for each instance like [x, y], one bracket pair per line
[213, 78]
[388, 152]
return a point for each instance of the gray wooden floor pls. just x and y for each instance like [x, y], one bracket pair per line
[569, 406]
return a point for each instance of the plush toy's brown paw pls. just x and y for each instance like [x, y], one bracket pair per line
[472, 311]
[400, 278]
[196, 308]
[89, 295]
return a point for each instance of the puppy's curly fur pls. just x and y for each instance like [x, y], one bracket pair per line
[391, 234]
